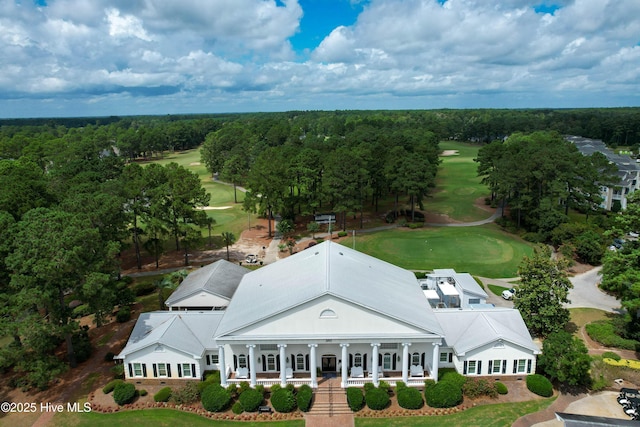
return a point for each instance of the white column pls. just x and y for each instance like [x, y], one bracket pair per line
[436, 360]
[405, 362]
[345, 365]
[223, 366]
[283, 365]
[252, 364]
[312, 365]
[374, 364]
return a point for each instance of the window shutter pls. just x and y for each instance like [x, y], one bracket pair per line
[350, 360]
[278, 362]
[393, 362]
[422, 360]
[379, 359]
[144, 370]
[529, 366]
[193, 370]
[130, 370]
[306, 362]
[264, 363]
[235, 362]
[169, 370]
[515, 366]
[293, 362]
[155, 370]
[208, 360]
[179, 370]
[479, 372]
[490, 366]
[464, 370]
[504, 366]
[451, 357]
[364, 361]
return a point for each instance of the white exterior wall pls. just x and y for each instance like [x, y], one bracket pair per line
[202, 299]
[149, 356]
[491, 352]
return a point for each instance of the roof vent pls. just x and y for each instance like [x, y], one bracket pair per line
[340, 253]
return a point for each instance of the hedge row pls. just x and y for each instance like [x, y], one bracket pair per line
[603, 331]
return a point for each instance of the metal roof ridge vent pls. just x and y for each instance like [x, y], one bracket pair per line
[327, 284]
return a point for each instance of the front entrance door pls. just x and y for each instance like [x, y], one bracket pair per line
[329, 363]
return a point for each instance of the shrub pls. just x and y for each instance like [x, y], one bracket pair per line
[189, 393]
[231, 388]
[283, 400]
[377, 399]
[250, 400]
[611, 355]
[342, 233]
[304, 397]
[124, 393]
[409, 398]
[109, 356]
[162, 395]
[368, 386]
[501, 388]
[237, 408]
[603, 331]
[215, 398]
[355, 398]
[82, 344]
[260, 388]
[415, 225]
[443, 395]
[212, 376]
[142, 289]
[450, 375]
[625, 363]
[383, 385]
[429, 383]
[275, 388]
[81, 311]
[479, 387]
[118, 371]
[110, 386]
[400, 385]
[244, 386]
[124, 314]
[539, 385]
[291, 388]
[143, 392]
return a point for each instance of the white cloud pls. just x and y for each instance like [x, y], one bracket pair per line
[125, 26]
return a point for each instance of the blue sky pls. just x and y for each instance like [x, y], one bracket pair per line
[118, 57]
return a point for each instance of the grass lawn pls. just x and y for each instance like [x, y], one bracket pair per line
[457, 184]
[155, 418]
[497, 290]
[484, 251]
[500, 415]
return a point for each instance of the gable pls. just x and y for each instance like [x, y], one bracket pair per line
[201, 299]
[328, 316]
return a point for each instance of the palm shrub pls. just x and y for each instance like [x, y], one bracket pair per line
[162, 395]
[304, 397]
[443, 395]
[124, 393]
[377, 398]
[409, 398]
[251, 399]
[215, 398]
[355, 398]
[539, 385]
[283, 400]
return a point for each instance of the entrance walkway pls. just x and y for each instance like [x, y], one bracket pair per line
[330, 407]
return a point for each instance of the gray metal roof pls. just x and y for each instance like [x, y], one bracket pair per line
[220, 278]
[188, 331]
[469, 284]
[588, 146]
[329, 269]
[467, 330]
[577, 420]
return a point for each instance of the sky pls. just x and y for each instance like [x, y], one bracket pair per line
[65, 58]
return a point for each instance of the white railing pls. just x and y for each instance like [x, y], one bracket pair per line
[351, 382]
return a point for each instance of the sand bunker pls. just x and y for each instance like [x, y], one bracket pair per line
[214, 208]
[450, 153]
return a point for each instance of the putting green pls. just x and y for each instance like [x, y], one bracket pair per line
[485, 251]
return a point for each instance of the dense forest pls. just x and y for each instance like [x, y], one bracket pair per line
[74, 197]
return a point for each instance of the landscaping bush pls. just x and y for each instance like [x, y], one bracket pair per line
[250, 400]
[304, 397]
[189, 393]
[231, 388]
[355, 398]
[377, 398]
[450, 375]
[143, 289]
[501, 388]
[118, 371]
[283, 400]
[244, 386]
[111, 385]
[212, 376]
[275, 388]
[291, 388]
[143, 392]
[611, 355]
[479, 387]
[383, 385]
[342, 234]
[443, 395]
[539, 385]
[603, 331]
[368, 386]
[237, 408]
[124, 393]
[415, 225]
[215, 398]
[409, 398]
[81, 311]
[162, 395]
[124, 314]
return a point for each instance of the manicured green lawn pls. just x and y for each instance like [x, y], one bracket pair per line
[457, 184]
[484, 251]
[500, 415]
[497, 290]
[154, 418]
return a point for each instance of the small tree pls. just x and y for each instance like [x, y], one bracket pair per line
[229, 239]
[313, 227]
[565, 358]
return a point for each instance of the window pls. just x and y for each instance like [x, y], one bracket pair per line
[471, 367]
[300, 361]
[214, 359]
[328, 314]
[522, 366]
[242, 361]
[271, 362]
[357, 359]
[444, 357]
[186, 370]
[137, 369]
[474, 300]
[162, 370]
[496, 366]
[386, 362]
[415, 359]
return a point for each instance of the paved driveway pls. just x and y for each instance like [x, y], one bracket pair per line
[585, 292]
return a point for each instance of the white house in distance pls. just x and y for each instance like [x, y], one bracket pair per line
[329, 310]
